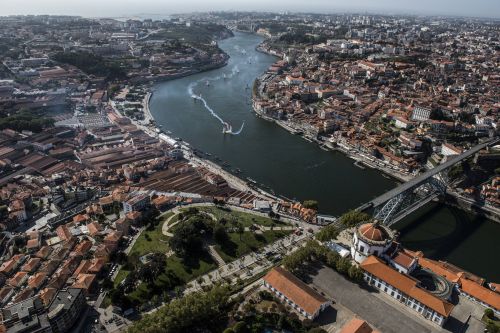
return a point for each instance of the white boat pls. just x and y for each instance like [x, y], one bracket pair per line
[207, 83]
[227, 129]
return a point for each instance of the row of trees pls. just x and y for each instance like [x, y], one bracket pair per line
[353, 218]
[327, 233]
[297, 261]
[196, 312]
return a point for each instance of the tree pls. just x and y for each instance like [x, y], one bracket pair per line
[488, 313]
[196, 312]
[311, 204]
[355, 273]
[343, 265]
[353, 217]
[491, 327]
[327, 233]
[240, 229]
[240, 327]
[188, 236]
[220, 235]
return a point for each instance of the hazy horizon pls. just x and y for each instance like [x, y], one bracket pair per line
[120, 8]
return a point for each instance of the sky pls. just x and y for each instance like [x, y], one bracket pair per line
[120, 8]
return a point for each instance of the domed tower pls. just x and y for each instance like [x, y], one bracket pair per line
[371, 238]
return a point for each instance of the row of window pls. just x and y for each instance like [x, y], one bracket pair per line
[408, 301]
[295, 306]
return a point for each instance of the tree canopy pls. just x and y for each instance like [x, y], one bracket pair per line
[312, 204]
[26, 120]
[353, 217]
[90, 63]
[188, 236]
[196, 312]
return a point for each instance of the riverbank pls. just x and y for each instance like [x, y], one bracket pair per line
[360, 159]
[470, 205]
[148, 125]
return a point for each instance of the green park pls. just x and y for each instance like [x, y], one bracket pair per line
[178, 247]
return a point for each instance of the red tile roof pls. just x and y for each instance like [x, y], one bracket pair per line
[481, 293]
[295, 290]
[406, 284]
[357, 325]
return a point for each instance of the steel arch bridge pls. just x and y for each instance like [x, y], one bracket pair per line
[401, 201]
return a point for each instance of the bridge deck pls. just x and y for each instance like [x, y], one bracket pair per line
[426, 175]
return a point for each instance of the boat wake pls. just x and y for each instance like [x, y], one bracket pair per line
[226, 127]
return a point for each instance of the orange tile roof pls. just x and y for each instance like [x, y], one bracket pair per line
[94, 228]
[63, 233]
[133, 215]
[96, 265]
[37, 280]
[17, 279]
[295, 290]
[47, 295]
[8, 266]
[31, 264]
[449, 271]
[357, 325]
[80, 218]
[83, 247]
[43, 252]
[481, 293]
[32, 244]
[113, 236]
[406, 284]
[84, 281]
[82, 268]
[403, 259]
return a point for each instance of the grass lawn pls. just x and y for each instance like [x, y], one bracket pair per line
[122, 274]
[246, 219]
[192, 268]
[249, 242]
[152, 240]
[177, 273]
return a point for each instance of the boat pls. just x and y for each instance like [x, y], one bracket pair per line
[207, 83]
[227, 129]
[225, 77]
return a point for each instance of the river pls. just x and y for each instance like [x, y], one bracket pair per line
[291, 166]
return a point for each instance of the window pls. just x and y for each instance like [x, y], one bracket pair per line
[361, 248]
[385, 289]
[392, 293]
[375, 253]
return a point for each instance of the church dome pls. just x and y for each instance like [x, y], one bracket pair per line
[373, 232]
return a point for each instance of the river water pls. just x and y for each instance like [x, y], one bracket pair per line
[295, 168]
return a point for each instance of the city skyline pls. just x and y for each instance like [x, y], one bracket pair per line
[113, 8]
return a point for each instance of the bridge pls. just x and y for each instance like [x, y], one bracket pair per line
[401, 201]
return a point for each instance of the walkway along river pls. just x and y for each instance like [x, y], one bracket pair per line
[199, 108]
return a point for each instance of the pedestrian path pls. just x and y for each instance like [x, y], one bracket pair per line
[216, 256]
